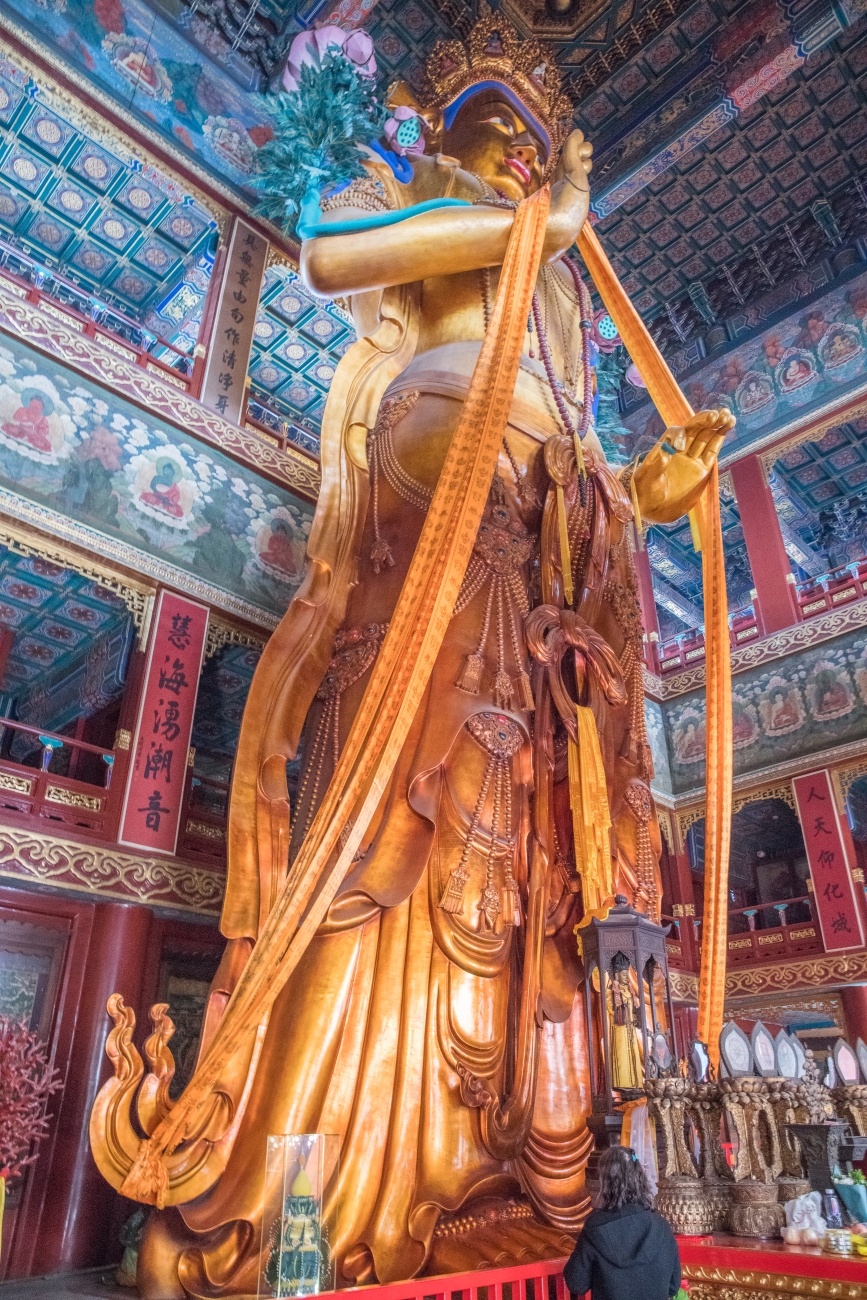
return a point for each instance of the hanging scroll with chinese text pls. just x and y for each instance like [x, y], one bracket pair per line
[232, 339]
[155, 786]
[833, 891]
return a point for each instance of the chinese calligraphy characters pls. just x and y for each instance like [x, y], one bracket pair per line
[834, 905]
[155, 788]
[232, 339]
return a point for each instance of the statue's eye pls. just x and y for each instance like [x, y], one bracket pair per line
[502, 124]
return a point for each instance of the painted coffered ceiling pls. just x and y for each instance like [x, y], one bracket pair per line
[68, 647]
[120, 242]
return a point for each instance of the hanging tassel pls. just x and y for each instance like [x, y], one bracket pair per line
[453, 895]
[525, 691]
[629, 748]
[636, 508]
[591, 817]
[511, 903]
[693, 528]
[565, 557]
[489, 907]
[470, 678]
[381, 555]
[503, 689]
[579, 455]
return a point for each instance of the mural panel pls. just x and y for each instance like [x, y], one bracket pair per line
[137, 56]
[655, 722]
[786, 371]
[81, 451]
[794, 707]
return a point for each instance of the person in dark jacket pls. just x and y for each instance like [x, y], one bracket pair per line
[626, 1250]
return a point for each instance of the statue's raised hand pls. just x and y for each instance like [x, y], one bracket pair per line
[673, 474]
[570, 195]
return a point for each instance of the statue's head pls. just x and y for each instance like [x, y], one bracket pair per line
[495, 104]
[494, 136]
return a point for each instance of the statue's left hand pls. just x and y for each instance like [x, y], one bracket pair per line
[673, 474]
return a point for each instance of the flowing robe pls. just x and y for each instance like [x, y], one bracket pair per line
[405, 1009]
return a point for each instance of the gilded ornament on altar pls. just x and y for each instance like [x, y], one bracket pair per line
[755, 1210]
[683, 1202]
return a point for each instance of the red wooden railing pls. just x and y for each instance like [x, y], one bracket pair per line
[55, 302]
[697, 1254]
[831, 590]
[687, 648]
[33, 790]
[204, 821]
[540, 1281]
[816, 596]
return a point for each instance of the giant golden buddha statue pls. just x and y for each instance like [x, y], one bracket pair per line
[462, 671]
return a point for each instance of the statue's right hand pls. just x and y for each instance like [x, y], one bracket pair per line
[570, 193]
[576, 162]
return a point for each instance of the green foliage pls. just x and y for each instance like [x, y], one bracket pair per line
[317, 133]
[610, 369]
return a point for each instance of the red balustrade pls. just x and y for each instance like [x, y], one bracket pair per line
[831, 590]
[816, 596]
[204, 821]
[540, 1281]
[688, 648]
[544, 1280]
[33, 790]
[56, 306]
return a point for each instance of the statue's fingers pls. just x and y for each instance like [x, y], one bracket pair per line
[712, 450]
[699, 429]
[677, 437]
[702, 441]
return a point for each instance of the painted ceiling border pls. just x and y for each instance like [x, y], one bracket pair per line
[779, 772]
[96, 124]
[101, 870]
[805, 429]
[136, 595]
[59, 335]
[800, 636]
[54, 524]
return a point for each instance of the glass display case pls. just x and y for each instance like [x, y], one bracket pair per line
[300, 1214]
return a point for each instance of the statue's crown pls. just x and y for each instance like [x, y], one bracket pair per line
[494, 52]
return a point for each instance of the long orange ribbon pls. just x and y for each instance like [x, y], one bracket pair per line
[397, 684]
[675, 411]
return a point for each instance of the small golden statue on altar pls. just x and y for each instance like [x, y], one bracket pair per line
[627, 1069]
[462, 671]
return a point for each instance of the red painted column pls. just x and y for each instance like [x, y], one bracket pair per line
[649, 618]
[854, 999]
[772, 573]
[79, 1205]
[683, 899]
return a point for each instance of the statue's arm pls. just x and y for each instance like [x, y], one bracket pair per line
[445, 242]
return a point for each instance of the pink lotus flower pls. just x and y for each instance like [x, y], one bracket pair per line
[399, 135]
[308, 48]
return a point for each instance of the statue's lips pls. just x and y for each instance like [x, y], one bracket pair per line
[522, 172]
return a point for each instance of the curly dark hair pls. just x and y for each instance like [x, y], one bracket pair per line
[622, 1181]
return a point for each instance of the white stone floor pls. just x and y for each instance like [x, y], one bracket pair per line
[96, 1284]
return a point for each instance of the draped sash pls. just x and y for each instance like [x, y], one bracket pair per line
[395, 689]
[676, 410]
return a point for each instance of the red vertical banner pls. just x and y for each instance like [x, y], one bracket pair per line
[155, 786]
[833, 891]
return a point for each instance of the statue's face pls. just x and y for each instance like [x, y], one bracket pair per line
[492, 139]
